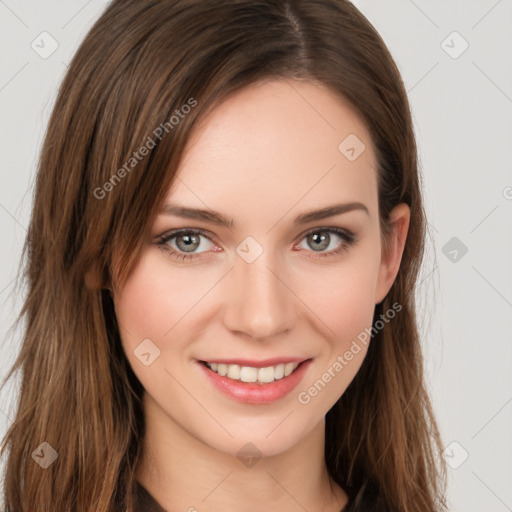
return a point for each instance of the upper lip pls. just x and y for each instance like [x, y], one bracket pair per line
[262, 363]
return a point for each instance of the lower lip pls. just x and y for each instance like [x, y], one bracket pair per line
[252, 393]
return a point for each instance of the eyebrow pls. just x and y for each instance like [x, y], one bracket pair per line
[219, 219]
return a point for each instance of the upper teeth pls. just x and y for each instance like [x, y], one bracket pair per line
[251, 374]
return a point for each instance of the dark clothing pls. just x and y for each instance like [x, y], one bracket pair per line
[144, 502]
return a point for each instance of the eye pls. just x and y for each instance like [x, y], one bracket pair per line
[182, 244]
[321, 239]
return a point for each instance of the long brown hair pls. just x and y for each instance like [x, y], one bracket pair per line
[96, 195]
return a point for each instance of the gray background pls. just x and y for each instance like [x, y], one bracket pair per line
[462, 105]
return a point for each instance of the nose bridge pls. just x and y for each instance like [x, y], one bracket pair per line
[260, 305]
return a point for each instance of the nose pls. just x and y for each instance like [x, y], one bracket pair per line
[260, 303]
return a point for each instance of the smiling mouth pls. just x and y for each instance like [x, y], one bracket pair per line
[250, 374]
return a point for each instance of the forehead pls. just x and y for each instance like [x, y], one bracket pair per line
[277, 144]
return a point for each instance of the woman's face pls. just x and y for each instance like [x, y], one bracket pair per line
[276, 289]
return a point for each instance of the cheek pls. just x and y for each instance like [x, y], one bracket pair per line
[350, 303]
[157, 304]
[342, 295]
[343, 298]
[156, 299]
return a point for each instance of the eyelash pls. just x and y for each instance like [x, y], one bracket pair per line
[348, 240]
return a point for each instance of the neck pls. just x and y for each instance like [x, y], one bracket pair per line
[183, 473]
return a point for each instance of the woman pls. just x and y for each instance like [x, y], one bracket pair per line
[221, 265]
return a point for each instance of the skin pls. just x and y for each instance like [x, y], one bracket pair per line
[262, 157]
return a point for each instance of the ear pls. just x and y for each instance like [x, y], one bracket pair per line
[392, 250]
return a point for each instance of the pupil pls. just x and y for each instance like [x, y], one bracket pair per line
[319, 239]
[188, 241]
